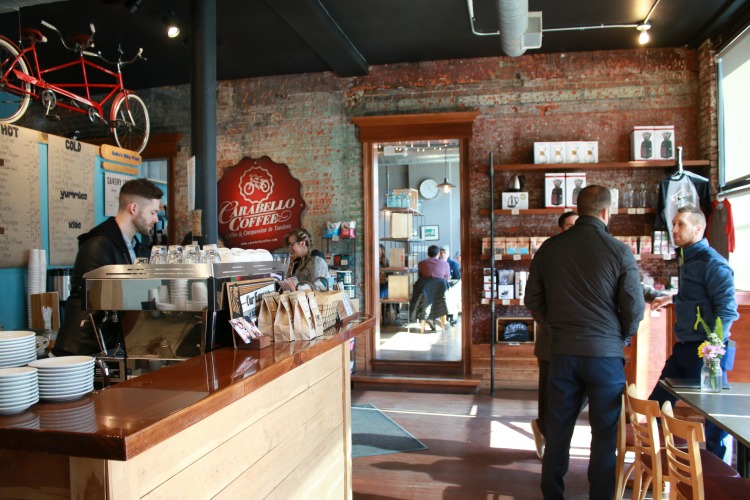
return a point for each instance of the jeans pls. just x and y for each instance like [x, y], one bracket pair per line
[572, 378]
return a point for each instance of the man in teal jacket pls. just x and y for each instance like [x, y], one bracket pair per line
[706, 284]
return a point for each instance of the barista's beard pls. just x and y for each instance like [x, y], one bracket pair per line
[142, 225]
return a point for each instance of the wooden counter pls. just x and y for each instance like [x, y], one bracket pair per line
[230, 423]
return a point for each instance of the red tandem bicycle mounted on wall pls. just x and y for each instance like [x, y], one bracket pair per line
[22, 79]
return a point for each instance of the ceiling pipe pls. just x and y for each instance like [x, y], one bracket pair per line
[513, 17]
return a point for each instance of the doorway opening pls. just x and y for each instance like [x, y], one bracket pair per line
[419, 244]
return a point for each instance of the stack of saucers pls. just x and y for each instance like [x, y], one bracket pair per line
[65, 378]
[18, 389]
[17, 348]
[178, 292]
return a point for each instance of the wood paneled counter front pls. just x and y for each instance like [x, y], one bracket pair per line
[230, 423]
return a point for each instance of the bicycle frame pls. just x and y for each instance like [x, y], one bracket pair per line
[66, 89]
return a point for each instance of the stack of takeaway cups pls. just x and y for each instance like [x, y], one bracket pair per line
[36, 278]
[64, 378]
[178, 292]
[17, 348]
[18, 389]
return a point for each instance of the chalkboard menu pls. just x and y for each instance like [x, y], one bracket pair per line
[71, 196]
[20, 221]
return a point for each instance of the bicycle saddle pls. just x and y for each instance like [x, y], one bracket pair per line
[81, 42]
[32, 35]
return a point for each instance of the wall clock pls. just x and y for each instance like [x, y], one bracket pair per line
[428, 189]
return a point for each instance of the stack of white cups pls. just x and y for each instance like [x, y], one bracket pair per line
[178, 292]
[36, 278]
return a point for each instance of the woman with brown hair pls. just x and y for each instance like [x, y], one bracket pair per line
[305, 266]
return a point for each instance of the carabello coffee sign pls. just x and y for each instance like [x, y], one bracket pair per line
[259, 203]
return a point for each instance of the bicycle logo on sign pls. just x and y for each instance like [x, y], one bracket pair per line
[256, 178]
[22, 79]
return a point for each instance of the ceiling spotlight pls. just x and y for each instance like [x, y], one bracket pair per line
[173, 30]
[644, 37]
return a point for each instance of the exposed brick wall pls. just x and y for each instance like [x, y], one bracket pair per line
[304, 121]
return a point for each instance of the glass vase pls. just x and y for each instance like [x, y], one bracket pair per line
[711, 376]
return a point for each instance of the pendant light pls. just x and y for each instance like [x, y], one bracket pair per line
[445, 185]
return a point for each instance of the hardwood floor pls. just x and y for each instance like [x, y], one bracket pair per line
[405, 342]
[478, 447]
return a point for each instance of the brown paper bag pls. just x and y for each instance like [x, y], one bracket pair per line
[303, 328]
[267, 313]
[283, 328]
[317, 319]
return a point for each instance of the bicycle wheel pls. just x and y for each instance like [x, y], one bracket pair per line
[130, 123]
[13, 101]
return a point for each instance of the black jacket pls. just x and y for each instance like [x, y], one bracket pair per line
[586, 286]
[102, 246]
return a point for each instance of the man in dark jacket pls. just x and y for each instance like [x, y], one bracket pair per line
[706, 284]
[111, 242]
[585, 285]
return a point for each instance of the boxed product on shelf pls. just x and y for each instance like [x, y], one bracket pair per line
[411, 197]
[499, 245]
[518, 200]
[644, 245]
[511, 245]
[656, 242]
[674, 282]
[589, 151]
[632, 242]
[401, 225]
[524, 245]
[541, 152]
[505, 292]
[574, 183]
[398, 286]
[535, 242]
[519, 279]
[558, 152]
[664, 141]
[487, 286]
[487, 274]
[396, 257]
[554, 190]
[573, 152]
[641, 143]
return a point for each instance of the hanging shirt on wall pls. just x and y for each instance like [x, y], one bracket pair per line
[677, 191]
[720, 232]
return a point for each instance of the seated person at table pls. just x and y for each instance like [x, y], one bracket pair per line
[455, 268]
[432, 266]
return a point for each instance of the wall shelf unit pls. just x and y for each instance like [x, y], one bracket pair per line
[614, 165]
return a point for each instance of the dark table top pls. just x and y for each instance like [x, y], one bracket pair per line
[729, 409]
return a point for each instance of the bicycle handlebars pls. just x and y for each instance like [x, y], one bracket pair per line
[90, 43]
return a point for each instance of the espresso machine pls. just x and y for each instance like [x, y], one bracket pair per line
[166, 313]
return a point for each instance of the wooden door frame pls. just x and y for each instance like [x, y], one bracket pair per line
[395, 128]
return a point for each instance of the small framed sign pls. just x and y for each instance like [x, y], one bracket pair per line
[429, 233]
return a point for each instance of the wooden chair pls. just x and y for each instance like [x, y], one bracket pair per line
[687, 467]
[647, 466]
[441, 319]
[624, 445]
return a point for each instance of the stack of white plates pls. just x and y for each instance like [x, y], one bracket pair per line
[178, 292]
[17, 348]
[65, 378]
[18, 389]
